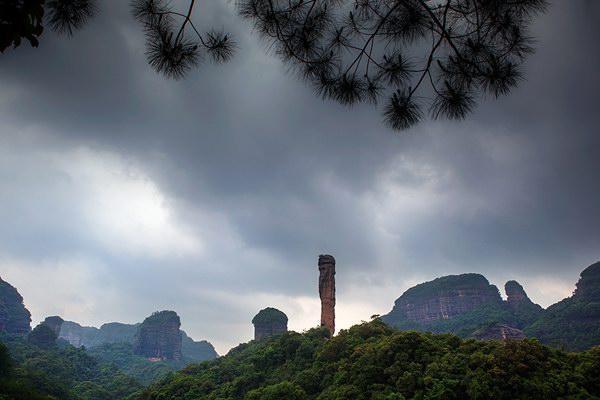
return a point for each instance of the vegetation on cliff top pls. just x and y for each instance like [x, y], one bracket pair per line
[270, 315]
[450, 282]
[374, 362]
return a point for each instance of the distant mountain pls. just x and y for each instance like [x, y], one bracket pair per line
[15, 319]
[196, 351]
[37, 369]
[113, 332]
[469, 306]
[573, 323]
[459, 304]
[116, 332]
[158, 337]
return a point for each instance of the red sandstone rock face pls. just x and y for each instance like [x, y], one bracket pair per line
[447, 305]
[327, 291]
[515, 294]
[443, 298]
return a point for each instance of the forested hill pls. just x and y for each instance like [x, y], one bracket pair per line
[467, 305]
[374, 362]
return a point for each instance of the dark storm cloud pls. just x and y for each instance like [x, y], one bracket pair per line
[269, 176]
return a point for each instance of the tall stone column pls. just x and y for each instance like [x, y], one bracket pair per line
[327, 291]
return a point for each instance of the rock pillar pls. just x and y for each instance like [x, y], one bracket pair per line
[327, 291]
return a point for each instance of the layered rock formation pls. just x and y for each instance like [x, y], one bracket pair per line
[116, 332]
[588, 286]
[327, 291]
[113, 332]
[269, 322]
[158, 337]
[525, 310]
[468, 306]
[499, 332]
[443, 298]
[515, 294]
[15, 319]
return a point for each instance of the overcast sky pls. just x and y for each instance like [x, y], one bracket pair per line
[122, 193]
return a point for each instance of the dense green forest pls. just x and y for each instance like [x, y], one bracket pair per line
[573, 322]
[121, 355]
[373, 361]
[59, 371]
[465, 324]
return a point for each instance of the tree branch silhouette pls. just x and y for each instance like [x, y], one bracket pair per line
[415, 57]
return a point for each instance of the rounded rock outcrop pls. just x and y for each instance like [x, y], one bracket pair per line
[269, 322]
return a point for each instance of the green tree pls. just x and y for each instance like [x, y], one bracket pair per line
[278, 391]
[42, 336]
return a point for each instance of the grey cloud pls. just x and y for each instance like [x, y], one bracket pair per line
[289, 174]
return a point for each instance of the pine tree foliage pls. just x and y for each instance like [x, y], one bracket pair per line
[67, 16]
[414, 56]
[173, 42]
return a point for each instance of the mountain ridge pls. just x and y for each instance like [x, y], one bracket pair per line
[469, 306]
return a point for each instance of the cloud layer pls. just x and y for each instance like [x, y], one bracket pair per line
[122, 193]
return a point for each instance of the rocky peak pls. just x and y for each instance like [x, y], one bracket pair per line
[327, 291]
[515, 294]
[55, 323]
[158, 337]
[524, 310]
[588, 285]
[443, 298]
[15, 319]
[269, 322]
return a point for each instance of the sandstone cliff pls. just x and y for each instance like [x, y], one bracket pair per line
[158, 337]
[327, 291]
[116, 332]
[269, 322]
[525, 310]
[88, 336]
[468, 306]
[443, 299]
[15, 319]
[460, 304]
